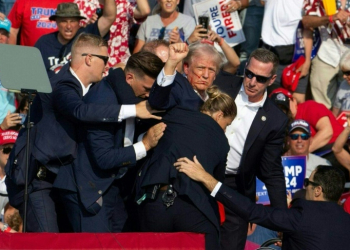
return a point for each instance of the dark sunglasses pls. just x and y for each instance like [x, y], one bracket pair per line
[104, 58]
[307, 182]
[161, 33]
[346, 73]
[260, 79]
[296, 136]
[6, 150]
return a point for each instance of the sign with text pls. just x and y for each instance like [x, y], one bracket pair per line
[225, 24]
[294, 174]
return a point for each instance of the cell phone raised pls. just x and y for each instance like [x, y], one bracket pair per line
[23, 117]
[99, 12]
[204, 21]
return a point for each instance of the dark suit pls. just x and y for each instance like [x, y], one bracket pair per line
[306, 225]
[100, 162]
[53, 140]
[261, 154]
[188, 133]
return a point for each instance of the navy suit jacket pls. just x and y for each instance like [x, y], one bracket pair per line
[306, 225]
[262, 150]
[101, 153]
[188, 133]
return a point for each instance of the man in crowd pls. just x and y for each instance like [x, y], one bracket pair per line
[299, 139]
[56, 47]
[256, 134]
[306, 225]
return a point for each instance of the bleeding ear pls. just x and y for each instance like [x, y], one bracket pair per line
[185, 68]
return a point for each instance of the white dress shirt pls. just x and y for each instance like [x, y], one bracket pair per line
[237, 131]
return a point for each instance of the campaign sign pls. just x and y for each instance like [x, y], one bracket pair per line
[342, 118]
[227, 25]
[294, 173]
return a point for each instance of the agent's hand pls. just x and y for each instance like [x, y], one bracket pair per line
[144, 111]
[192, 169]
[151, 138]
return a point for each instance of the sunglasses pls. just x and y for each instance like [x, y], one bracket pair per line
[260, 79]
[6, 150]
[307, 182]
[161, 33]
[346, 73]
[296, 136]
[104, 58]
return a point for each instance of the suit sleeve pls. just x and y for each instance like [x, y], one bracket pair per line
[69, 103]
[277, 219]
[271, 169]
[101, 146]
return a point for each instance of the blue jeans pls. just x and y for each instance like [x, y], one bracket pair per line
[262, 234]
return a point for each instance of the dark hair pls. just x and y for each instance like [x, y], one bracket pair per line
[219, 101]
[154, 44]
[332, 181]
[144, 63]
[265, 56]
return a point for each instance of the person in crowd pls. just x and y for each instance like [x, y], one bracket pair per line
[54, 134]
[16, 120]
[326, 74]
[278, 35]
[7, 139]
[167, 23]
[90, 187]
[301, 224]
[159, 47]
[128, 12]
[259, 126]
[176, 196]
[56, 47]
[340, 147]
[324, 127]
[30, 20]
[342, 98]
[7, 99]
[299, 139]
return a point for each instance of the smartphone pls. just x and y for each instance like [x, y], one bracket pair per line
[204, 21]
[99, 12]
[23, 117]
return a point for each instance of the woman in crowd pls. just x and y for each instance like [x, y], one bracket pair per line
[170, 201]
[166, 23]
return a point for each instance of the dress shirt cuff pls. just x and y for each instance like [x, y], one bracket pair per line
[140, 150]
[216, 189]
[127, 111]
[163, 80]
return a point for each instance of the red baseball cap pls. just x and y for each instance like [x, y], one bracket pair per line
[290, 77]
[8, 136]
[281, 90]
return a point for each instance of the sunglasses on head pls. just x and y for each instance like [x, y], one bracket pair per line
[260, 79]
[6, 150]
[161, 33]
[307, 182]
[104, 58]
[296, 136]
[346, 73]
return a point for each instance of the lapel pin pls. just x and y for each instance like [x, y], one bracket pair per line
[263, 118]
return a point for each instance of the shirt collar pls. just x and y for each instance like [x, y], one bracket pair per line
[244, 99]
[206, 97]
[85, 89]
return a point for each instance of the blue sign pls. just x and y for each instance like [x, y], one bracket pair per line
[294, 174]
[299, 48]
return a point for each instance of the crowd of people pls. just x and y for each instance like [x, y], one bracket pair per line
[156, 130]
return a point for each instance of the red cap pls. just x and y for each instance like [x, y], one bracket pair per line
[8, 136]
[281, 90]
[290, 77]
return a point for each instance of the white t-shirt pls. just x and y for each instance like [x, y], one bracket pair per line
[281, 19]
[3, 199]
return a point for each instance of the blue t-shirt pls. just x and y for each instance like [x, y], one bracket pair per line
[55, 54]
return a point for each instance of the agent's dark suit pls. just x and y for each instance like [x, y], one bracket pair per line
[306, 225]
[188, 133]
[262, 150]
[53, 140]
[90, 186]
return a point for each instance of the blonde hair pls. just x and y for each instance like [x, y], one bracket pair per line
[219, 101]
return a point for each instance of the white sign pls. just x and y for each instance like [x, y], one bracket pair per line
[225, 24]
